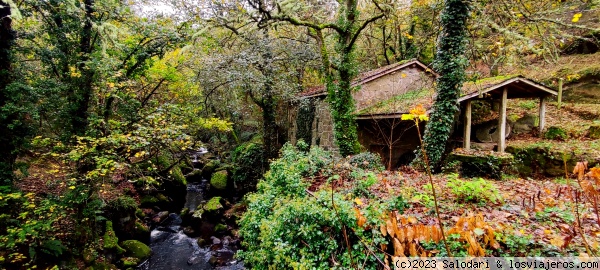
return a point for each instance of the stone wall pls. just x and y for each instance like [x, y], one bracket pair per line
[370, 93]
[394, 84]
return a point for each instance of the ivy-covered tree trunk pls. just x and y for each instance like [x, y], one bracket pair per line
[82, 87]
[338, 71]
[450, 63]
[7, 147]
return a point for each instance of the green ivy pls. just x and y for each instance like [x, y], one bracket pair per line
[450, 62]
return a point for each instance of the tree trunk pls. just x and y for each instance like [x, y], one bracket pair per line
[450, 63]
[7, 149]
[80, 99]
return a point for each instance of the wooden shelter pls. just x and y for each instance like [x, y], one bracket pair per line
[502, 89]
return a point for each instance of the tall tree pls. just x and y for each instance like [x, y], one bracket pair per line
[7, 116]
[339, 69]
[450, 63]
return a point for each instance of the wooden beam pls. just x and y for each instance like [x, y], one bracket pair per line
[542, 114]
[467, 123]
[560, 90]
[502, 121]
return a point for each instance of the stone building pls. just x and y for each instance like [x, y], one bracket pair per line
[383, 95]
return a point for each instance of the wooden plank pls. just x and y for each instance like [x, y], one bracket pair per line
[542, 114]
[502, 121]
[467, 128]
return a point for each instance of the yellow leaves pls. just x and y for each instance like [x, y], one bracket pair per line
[74, 72]
[358, 201]
[418, 110]
[360, 219]
[140, 154]
[72, 187]
[416, 114]
[576, 17]
[580, 169]
[403, 75]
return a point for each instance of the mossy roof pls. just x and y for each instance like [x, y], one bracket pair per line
[518, 87]
[370, 75]
[400, 104]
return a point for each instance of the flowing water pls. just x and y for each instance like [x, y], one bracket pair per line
[172, 249]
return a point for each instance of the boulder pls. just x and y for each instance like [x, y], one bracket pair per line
[213, 206]
[136, 249]
[524, 124]
[488, 131]
[219, 180]
[210, 168]
[111, 241]
[195, 176]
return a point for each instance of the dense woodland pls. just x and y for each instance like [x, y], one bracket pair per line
[107, 108]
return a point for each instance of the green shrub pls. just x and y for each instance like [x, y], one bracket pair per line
[477, 190]
[556, 133]
[248, 165]
[528, 104]
[285, 228]
[367, 161]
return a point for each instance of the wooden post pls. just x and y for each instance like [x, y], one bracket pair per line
[542, 114]
[502, 121]
[467, 127]
[467, 123]
[560, 89]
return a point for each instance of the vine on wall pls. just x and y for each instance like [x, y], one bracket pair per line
[304, 120]
[450, 62]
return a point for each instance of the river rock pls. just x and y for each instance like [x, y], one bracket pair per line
[160, 217]
[195, 176]
[219, 180]
[136, 249]
[189, 231]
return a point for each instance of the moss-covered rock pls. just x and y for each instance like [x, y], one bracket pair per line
[111, 242]
[127, 262]
[136, 249]
[210, 168]
[213, 205]
[248, 166]
[148, 201]
[102, 266]
[141, 231]
[178, 176]
[195, 176]
[219, 180]
[220, 228]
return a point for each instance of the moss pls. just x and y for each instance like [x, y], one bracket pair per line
[136, 249]
[220, 228]
[102, 266]
[148, 201]
[141, 228]
[211, 166]
[130, 262]
[198, 213]
[594, 132]
[178, 175]
[213, 205]
[219, 180]
[110, 239]
[556, 133]
[89, 255]
[161, 197]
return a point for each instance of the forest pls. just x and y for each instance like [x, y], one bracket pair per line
[283, 134]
